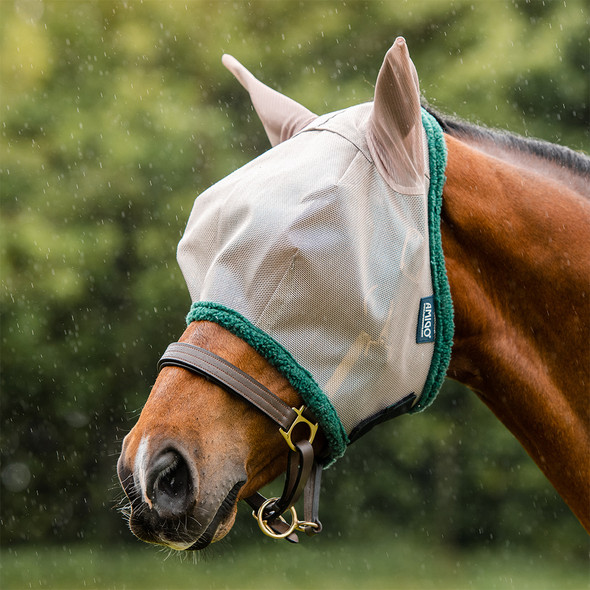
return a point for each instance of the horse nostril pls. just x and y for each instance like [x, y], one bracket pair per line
[169, 484]
[174, 480]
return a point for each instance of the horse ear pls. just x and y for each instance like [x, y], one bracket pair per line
[395, 134]
[281, 116]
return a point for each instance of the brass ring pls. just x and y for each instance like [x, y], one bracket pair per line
[265, 527]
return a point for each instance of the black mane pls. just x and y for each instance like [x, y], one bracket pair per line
[564, 156]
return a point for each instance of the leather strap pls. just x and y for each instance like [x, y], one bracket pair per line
[299, 465]
[303, 475]
[207, 364]
[301, 462]
[311, 500]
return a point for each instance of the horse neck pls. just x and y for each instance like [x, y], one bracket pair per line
[516, 247]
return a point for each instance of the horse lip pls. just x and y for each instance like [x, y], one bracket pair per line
[224, 509]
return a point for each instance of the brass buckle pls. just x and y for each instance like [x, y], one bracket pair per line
[296, 524]
[313, 428]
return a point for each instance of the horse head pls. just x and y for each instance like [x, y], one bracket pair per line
[197, 449]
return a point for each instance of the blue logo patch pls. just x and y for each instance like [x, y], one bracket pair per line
[426, 320]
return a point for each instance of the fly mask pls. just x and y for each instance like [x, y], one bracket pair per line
[324, 253]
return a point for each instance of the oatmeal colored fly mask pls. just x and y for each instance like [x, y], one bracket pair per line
[324, 253]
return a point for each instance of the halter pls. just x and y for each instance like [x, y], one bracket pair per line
[304, 470]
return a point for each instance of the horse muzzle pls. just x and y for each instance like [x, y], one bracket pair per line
[165, 506]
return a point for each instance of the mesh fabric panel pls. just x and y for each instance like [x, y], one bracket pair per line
[313, 247]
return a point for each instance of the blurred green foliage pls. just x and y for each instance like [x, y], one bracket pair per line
[115, 115]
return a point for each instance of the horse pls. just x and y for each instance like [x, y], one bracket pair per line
[515, 232]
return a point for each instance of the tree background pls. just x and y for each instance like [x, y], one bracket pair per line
[114, 116]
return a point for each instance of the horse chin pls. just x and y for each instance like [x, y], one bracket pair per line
[222, 522]
[225, 527]
[184, 532]
[212, 536]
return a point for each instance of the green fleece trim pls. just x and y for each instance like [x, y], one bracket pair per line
[443, 304]
[280, 358]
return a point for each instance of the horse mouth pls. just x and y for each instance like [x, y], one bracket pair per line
[223, 512]
[174, 533]
[176, 524]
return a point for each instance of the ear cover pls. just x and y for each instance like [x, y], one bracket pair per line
[395, 134]
[281, 116]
